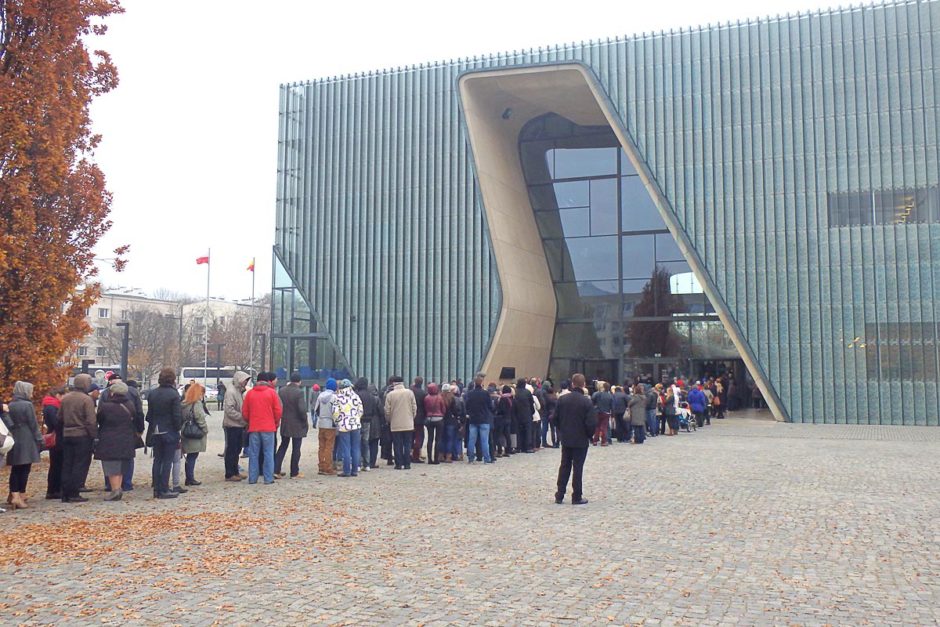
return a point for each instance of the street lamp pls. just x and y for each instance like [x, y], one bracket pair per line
[218, 361]
[125, 347]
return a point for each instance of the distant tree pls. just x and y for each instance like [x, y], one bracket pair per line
[53, 201]
[647, 339]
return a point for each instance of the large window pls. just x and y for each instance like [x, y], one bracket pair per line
[627, 298]
[898, 351]
[892, 206]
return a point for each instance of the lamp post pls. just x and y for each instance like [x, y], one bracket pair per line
[218, 361]
[180, 345]
[125, 347]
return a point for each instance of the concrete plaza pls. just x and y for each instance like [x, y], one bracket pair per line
[747, 521]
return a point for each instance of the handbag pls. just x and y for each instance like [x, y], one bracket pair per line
[48, 440]
[191, 430]
[6, 440]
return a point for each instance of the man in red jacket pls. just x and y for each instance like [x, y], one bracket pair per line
[262, 410]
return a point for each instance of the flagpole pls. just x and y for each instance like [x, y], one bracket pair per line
[205, 357]
[251, 322]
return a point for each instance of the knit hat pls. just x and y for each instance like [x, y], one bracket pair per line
[316, 387]
[345, 383]
[118, 387]
[331, 384]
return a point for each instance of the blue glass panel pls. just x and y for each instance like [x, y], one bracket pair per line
[592, 258]
[573, 194]
[639, 212]
[667, 249]
[581, 162]
[638, 256]
[604, 206]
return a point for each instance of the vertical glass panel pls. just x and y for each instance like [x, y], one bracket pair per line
[573, 194]
[604, 206]
[637, 208]
[592, 258]
[632, 295]
[582, 162]
[639, 257]
[564, 223]
[542, 197]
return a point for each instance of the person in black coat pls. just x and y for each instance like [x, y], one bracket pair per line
[165, 418]
[118, 426]
[50, 417]
[524, 409]
[576, 419]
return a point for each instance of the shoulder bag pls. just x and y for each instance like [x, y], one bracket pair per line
[191, 430]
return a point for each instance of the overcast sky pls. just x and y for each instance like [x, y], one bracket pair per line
[190, 134]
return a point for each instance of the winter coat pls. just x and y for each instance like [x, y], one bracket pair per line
[164, 413]
[347, 411]
[401, 408]
[262, 409]
[51, 406]
[370, 408]
[421, 415]
[294, 421]
[324, 410]
[78, 411]
[504, 409]
[697, 401]
[480, 407]
[576, 419]
[198, 414]
[637, 405]
[21, 421]
[524, 405]
[118, 427]
[434, 406]
[232, 403]
[620, 403]
[604, 402]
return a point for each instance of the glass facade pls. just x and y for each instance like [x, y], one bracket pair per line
[296, 345]
[628, 302]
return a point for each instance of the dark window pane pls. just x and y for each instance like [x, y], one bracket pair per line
[556, 256]
[542, 197]
[592, 258]
[604, 207]
[574, 163]
[667, 249]
[573, 194]
[638, 256]
[639, 212]
[534, 158]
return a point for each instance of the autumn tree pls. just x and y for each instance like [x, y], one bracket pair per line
[53, 202]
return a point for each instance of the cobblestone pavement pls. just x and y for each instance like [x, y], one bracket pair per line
[744, 522]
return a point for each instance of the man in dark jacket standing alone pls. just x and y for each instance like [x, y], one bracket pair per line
[294, 426]
[576, 419]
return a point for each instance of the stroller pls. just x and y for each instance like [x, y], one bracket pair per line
[686, 420]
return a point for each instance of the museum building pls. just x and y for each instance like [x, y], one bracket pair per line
[758, 197]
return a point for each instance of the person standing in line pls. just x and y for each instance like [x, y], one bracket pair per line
[294, 426]
[434, 410]
[193, 409]
[348, 419]
[652, 400]
[401, 408]
[420, 421]
[371, 425]
[51, 406]
[604, 404]
[79, 430]
[523, 409]
[326, 429]
[233, 424]
[480, 409]
[576, 421]
[619, 406]
[165, 419]
[637, 407]
[698, 404]
[450, 423]
[21, 421]
[502, 421]
[118, 426]
[548, 408]
[670, 412]
[262, 411]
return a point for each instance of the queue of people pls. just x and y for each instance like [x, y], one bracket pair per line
[357, 426]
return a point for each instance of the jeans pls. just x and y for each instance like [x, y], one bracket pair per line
[257, 441]
[572, 459]
[127, 475]
[177, 457]
[191, 466]
[326, 438]
[483, 431]
[435, 431]
[364, 432]
[165, 446]
[295, 444]
[639, 434]
[651, 422]
[233, 446]
[76, 459]
[349, 444]
[401, 443]
[451, 441]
